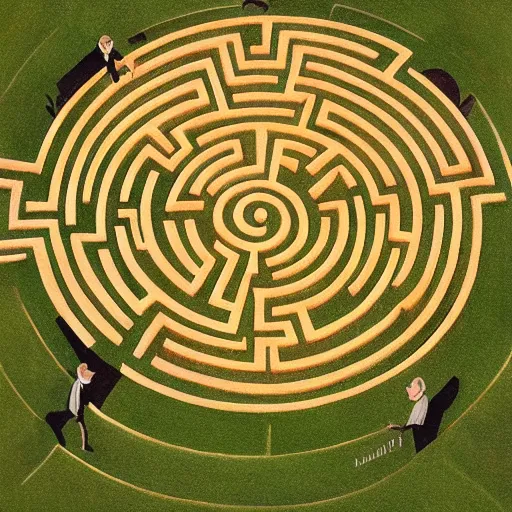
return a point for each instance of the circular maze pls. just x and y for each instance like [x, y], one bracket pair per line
[260, 227]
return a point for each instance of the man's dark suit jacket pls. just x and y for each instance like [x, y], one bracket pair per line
[106, 376]
[84, 70]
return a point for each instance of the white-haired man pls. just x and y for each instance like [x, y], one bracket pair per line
[425, 418]
[110, 56]
[104, 55]
[75, 409]
[416, 393]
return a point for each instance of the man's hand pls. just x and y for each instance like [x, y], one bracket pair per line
[393, 427]
[131, 65]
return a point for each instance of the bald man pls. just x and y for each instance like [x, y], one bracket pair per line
[103, 55]
[75, 409]
[110, 56]
[425, 418]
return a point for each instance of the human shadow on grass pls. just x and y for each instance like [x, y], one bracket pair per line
[104, 55]
[95, 380]
[426, 416]
[450, 88]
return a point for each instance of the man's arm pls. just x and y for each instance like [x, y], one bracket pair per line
[402, 428]
[116, 55]
[122, 61]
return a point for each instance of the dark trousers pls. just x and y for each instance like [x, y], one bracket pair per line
[58, 419]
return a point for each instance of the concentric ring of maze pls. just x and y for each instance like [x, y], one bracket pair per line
[259, 228]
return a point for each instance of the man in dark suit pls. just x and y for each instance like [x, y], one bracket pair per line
[103, 55]
[106, 377]
[75, 408]
[83, 391]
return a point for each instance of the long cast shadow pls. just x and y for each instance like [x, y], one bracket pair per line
[106, 377]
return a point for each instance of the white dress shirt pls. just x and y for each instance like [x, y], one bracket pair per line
[74, 398]
[419, 412]
[105, 55]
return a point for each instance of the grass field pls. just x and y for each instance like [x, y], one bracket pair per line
[217, 408]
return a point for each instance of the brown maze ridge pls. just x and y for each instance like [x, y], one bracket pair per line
[315, 158]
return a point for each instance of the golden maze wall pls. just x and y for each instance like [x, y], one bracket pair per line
[258, 227]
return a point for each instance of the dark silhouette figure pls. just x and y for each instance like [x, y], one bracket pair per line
[75, 408]
[450, 88]
[106, 376]
[103, 55]
[261, 4]
[138, 38]
[437, 406]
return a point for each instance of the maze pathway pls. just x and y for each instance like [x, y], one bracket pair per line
[158, 470]
[257, 228]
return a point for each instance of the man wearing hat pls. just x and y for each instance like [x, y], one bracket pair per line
[76, 405]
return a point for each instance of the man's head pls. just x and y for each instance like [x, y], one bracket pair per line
[84, 374]
[106, 44]
[416, 389]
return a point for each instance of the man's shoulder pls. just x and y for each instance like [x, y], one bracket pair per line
[422, 402]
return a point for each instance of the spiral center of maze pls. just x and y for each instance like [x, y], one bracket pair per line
[265, 227]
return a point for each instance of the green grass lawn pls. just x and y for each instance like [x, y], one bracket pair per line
[156, 453]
